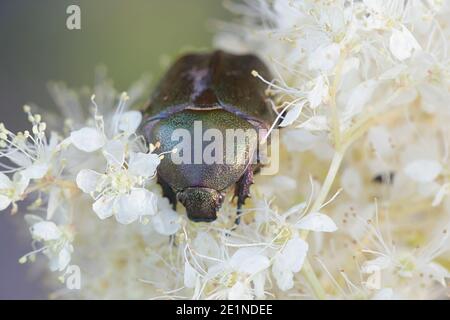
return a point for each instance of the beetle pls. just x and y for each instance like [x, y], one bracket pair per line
[218, 90]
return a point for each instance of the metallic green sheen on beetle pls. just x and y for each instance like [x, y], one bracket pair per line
[219, 90]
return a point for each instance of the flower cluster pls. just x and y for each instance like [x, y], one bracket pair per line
[101, 156]
[362, 90]
[360, 206]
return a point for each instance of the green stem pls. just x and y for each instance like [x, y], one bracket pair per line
[312, 279]
[328, 183]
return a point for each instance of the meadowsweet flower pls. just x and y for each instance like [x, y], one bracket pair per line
[358, 210]
[56, 242]
[239, 273]
[289, 261]
[120, 127]
[11, 191]
[120, 191]
[33, 154]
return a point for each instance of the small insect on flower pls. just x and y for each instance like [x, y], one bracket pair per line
[212, 95]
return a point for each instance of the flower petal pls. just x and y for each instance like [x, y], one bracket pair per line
[359, 98]
[249, 261]
[294, 254]
[379, 263]
[114, 152]
[45, 231]
[325, 57]
[402, 43]
[318, 222]
[87, 139]
[190, 275]
[423, 170]
[5, 182]
[292, 114]
[60, 260]
[4, 202]
[380, 138]
[138, 203]
[130, 121]
[143, 164]
[284, 279]
[103, 207]
[87, 180]
[288, 261]
[166, 223]
[36, 171]
[318, 92]
[19, 158]
[125, 211]
[20, 183]
[240, 292]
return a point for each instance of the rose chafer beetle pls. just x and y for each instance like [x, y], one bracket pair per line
[218, 90]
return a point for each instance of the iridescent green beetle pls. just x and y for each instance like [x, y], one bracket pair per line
[218, 90]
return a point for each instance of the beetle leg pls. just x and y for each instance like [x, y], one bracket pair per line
[168, 192]
[242, 190]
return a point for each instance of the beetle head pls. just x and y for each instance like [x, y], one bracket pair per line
[201, 203]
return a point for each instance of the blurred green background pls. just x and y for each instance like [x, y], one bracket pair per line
[130, 38]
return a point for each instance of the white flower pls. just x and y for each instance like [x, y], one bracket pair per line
[289, 258]
[120, 191]
[56, 242]
[111, 136]
[402, 43]
[240, 272]
[289, 261]
[31, 153]
[423, 170]
[11, 191]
